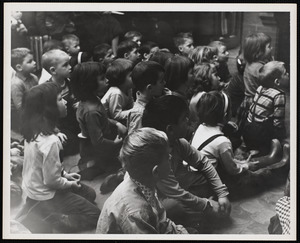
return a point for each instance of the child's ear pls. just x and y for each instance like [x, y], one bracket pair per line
[126, 55]
[19, 67]
[215, 57]
[52, 70]
[277, 82]
[180, 48]
[155, 171]
[146, 56]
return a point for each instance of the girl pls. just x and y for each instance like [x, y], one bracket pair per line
[118, 99]
[54, 196]
[99, 143]
[203, 54]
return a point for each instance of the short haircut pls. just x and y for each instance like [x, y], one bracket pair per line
[52, 44]
[18, 55]
[202, 54]
[210, 108]
[254, 46]
[130, 34]
[146, 47]
[145, 73]
[142, 150]
[177, 68]
[67, 39]
[217, 44]
[163, 111]
[100, 51]
[161, 57]
[117, 71]
[84, 79]
[202, 77]
[181, 37]
[50, 58]
[125, 47]
[269, 72]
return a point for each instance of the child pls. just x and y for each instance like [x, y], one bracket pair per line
[23, 80]
[103, 53]
[148, 79]
[203, 54]
[99, 143]
[148, 49]
[184, 43]
[179, 74]
[161, 57]
[265, 120]
[221, 59]
[53, 195]
[182, 191]
[129, 50]
[257, 51]
[118, 99]
[133, 208]
[134, 36]
[56, 62]
[72, 47]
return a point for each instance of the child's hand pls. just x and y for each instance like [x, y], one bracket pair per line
[72, 176]
[215, 207]
[122, 130]
[225, 206]
[75, 184]
[15, 152]
[75, 105]
[62, 137]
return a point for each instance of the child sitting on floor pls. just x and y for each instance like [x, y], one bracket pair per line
[133, 208]
[118, 99]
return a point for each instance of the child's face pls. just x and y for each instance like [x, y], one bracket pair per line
[73, 48]
[62, 106]
[284, 80]
[137, 39]
[187, 47]
[223, 54]
[157, 89]
[102, 85]
[215, 80]
[28, 65]
[268, 51]
[134, 56]
[63, 68]
[180, 129]
[128, 84]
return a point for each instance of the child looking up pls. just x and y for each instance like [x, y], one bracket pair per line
[134, 36]
[133, 208]
[99, 143]
[148, 79]
[53, 195]
[103, 54]
[118, 99]
[266, 115]
[184, 43]
[23, 80]
[129, 50]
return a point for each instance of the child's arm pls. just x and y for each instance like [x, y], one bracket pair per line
[116, 101]
[17, 92]
[279, 115]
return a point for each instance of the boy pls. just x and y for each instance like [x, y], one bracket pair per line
[133, 208]
[221, 59]
[23, 80]
[182, 191]
[129, 50]
[184, 43]
[103, 53]
[266, 118]
[134, 36]
[56, 62]
[72, 47]
[148, 79]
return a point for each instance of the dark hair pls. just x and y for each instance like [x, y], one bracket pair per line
[146, 47]
[163, 111]
[84, 79]
[125, 47]
[254, 47]
[270, 72]
[117, 71]
[142, 150]
[210, 108]
[179, 39]
[18, 55]
[177, 69]
[161, 57]
[100, 51]
[39, 110]
[145, 73]
[52, 44]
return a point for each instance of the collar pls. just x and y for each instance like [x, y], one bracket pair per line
[23, 78]
[148, 193]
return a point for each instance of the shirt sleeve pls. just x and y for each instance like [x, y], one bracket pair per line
[134, 121]
[279, 115]
[116, 101]
[17, 92]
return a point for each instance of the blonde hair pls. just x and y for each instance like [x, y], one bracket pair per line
[202, 54]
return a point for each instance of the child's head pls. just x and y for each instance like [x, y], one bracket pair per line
[71, 44]
[257, 47]
[88, 80]
[184, 42]
[102, 52]
[168, 113]
[145, 155]
[42, 107]
[149, 77]
[119, 73]
[128, 50]
[134, 36]
[22, 61]
[148, 49]
[222, 53]
[213, 108]
[161, 57]
[273, 74]
[52, 44]
[206, 78]
[179, 71]
[202, 54]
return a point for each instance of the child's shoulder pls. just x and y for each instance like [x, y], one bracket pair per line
[45, 142]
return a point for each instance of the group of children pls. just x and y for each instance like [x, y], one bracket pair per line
[159, 122]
